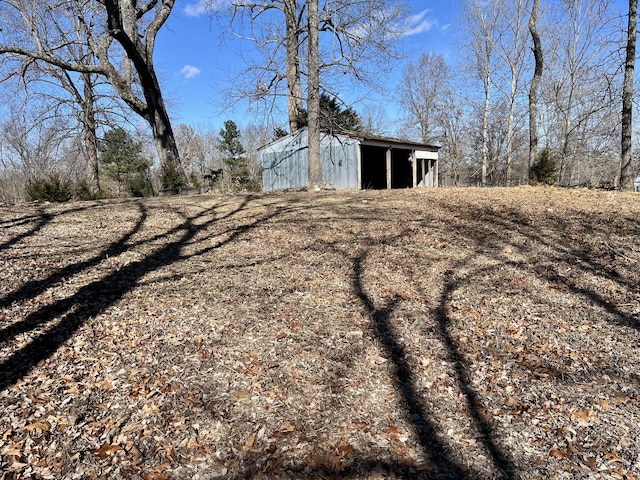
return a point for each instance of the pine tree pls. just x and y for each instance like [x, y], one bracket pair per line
[545, 170]
[333, 116]
[234, 154]
[122, 160]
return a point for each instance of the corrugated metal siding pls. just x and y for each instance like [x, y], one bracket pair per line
[285, 162]
[340, 161]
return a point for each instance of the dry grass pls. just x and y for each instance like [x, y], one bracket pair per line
[405, 334]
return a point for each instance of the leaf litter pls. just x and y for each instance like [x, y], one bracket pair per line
[451, 333]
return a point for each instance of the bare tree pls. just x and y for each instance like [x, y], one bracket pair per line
[421, 92]
[255, 136]
[191, 151]
[121, 36]
[626, 179]
[82, 90]
[32, 141]
[313, 98]
[511, 48]
[453, 124]
[534, 87]
[277, 29]
[355, 41]
[375, 120]
[578, 87]
[482, 21]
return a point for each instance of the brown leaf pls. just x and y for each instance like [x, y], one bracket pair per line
[612, 457]
[287, 427]
[604, 404]
[393, 432]
[250, 442]
[12, 452]
[559, 453]
[106, 450]
[582, 416]
[39, 427]
[344, 448]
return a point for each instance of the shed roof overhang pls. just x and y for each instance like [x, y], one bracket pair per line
[390, 142]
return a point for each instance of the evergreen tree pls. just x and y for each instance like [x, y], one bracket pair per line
[279, 132]
[333, 117]
[122, 160]
[234, 153]
[545, 170]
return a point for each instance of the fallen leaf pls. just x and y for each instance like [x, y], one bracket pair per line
[107, 450]
[250, 442]
[39, 427]
[612, 457]
[558, 453]
[287, 427]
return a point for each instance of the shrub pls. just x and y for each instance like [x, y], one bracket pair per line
[171, 176]
[140, 185]
[52, 188]
[84, 192]
[545, 170]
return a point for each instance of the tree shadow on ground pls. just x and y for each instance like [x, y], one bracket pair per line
[41, 220]
[499, 230]
[62, 318]
[438, 451]
[66, 316]
[499, 457]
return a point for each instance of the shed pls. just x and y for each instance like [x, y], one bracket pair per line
[350, 160]
[636, 185]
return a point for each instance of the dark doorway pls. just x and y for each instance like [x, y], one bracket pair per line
[373, 161]
[401, 169]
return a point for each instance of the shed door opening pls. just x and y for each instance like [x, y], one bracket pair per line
[401, 168]
[373, 162]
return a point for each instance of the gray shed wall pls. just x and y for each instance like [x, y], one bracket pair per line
[285, 161]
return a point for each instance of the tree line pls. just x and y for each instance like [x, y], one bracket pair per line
[539, 86]
[538, 81]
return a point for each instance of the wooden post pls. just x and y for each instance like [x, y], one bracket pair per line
[414, 169]
[359, 166]
[427, 173]
[388, 168]
[436, 163]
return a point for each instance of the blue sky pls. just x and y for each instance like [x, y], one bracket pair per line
[193, 62]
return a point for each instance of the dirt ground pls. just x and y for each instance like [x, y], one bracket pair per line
[449, 333]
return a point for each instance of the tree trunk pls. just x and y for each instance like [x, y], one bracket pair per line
[90, 136]
[535, 83]
[626, 175]
[485, 127]
[294, 88]
[510, 126]
[313, 100]
[123, 28]
[157, 116]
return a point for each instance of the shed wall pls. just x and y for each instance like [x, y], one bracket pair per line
[285, 162]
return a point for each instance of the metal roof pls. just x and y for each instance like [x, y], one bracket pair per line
[374, 140]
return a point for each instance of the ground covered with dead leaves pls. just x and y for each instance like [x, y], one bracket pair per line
[452, 333]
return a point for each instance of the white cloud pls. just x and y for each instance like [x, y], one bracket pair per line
[203, 6]
[418, 23]
[189, 71]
